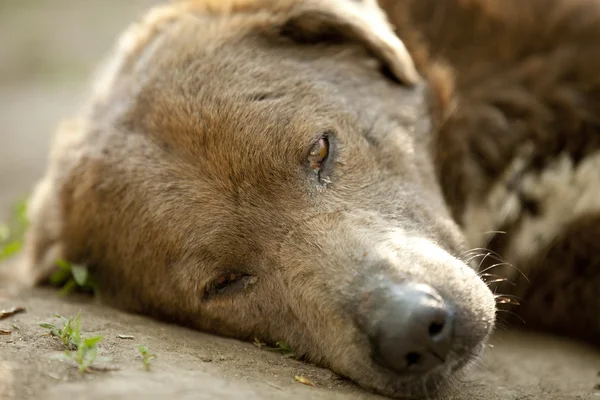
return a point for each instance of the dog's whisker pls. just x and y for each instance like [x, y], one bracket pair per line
[483, 249]
[506, 264]
[493, 255]
[513, 314]
[487, 275]
[482, 261]
[501, 264]
[497, 281]
[494, 232]
[470, 259]
[500, 325]
[508, 296]
[493, 236]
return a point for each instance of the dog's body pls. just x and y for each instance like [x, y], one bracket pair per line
[246, 168]
[518, 148]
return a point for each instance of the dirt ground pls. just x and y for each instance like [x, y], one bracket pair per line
[195, 365]
[48, 50]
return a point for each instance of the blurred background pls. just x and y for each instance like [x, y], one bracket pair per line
[48, 52]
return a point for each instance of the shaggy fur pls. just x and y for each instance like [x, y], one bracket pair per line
[518, 142]
[189, 166]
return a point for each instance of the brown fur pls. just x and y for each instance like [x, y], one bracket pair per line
[518, 90]
[190, 162]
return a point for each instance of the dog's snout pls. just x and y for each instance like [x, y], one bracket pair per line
[410, 327]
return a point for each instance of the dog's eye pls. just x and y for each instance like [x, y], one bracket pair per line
[318, 154]
[229, 282]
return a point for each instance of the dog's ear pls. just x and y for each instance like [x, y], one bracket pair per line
[309, 20]
[360, 20]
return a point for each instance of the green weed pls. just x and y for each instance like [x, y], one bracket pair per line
[83, 351]
[147, 357]
[72, 277]
[12, 233]
[280, 347]
[69, 276]
[65, 331]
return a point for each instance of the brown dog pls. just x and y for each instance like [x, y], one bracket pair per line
[268, 169]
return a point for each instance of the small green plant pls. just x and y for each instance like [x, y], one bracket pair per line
[72, 277]
[83, 351]
[12, 233]
[147, 357]
[283, 348]
[86, 353]
[12, 238]
[280, 347]
[65, 330]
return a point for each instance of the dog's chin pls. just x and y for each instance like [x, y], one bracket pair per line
[439, 381]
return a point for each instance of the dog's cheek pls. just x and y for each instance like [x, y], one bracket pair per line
[258, 312]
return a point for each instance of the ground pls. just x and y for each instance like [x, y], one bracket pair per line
[48, 51]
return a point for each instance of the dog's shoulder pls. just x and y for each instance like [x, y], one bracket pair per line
[508, 77]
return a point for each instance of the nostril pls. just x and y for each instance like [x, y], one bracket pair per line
[413, 358]
[435, 329]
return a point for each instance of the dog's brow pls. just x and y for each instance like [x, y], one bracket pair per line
[263, 96]
[368, 133]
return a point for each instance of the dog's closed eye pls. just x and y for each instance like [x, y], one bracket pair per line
[229, 283]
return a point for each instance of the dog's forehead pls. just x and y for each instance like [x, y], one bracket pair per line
[228, 105]
[238, 60]
[229, 95]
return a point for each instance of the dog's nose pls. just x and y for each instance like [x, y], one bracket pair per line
[410, 328]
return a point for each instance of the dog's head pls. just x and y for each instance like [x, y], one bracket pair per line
[262, 169]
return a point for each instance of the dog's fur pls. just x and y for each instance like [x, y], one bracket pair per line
[189, 163]
[518, 142]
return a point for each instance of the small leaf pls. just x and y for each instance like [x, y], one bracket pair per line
[11, 311]
[60, 277]
[47, 326]
[77, 328]
[284, 349]
[80, 274]
[64, 265]
[304, 381]
[4, 232]
[89, 342]
[21, 211]
[10, 250]
[90, 356]
[68, 288]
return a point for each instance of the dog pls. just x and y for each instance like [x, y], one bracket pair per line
[324, 172]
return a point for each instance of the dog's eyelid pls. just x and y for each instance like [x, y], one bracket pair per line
[265, 96]
[229, 282]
